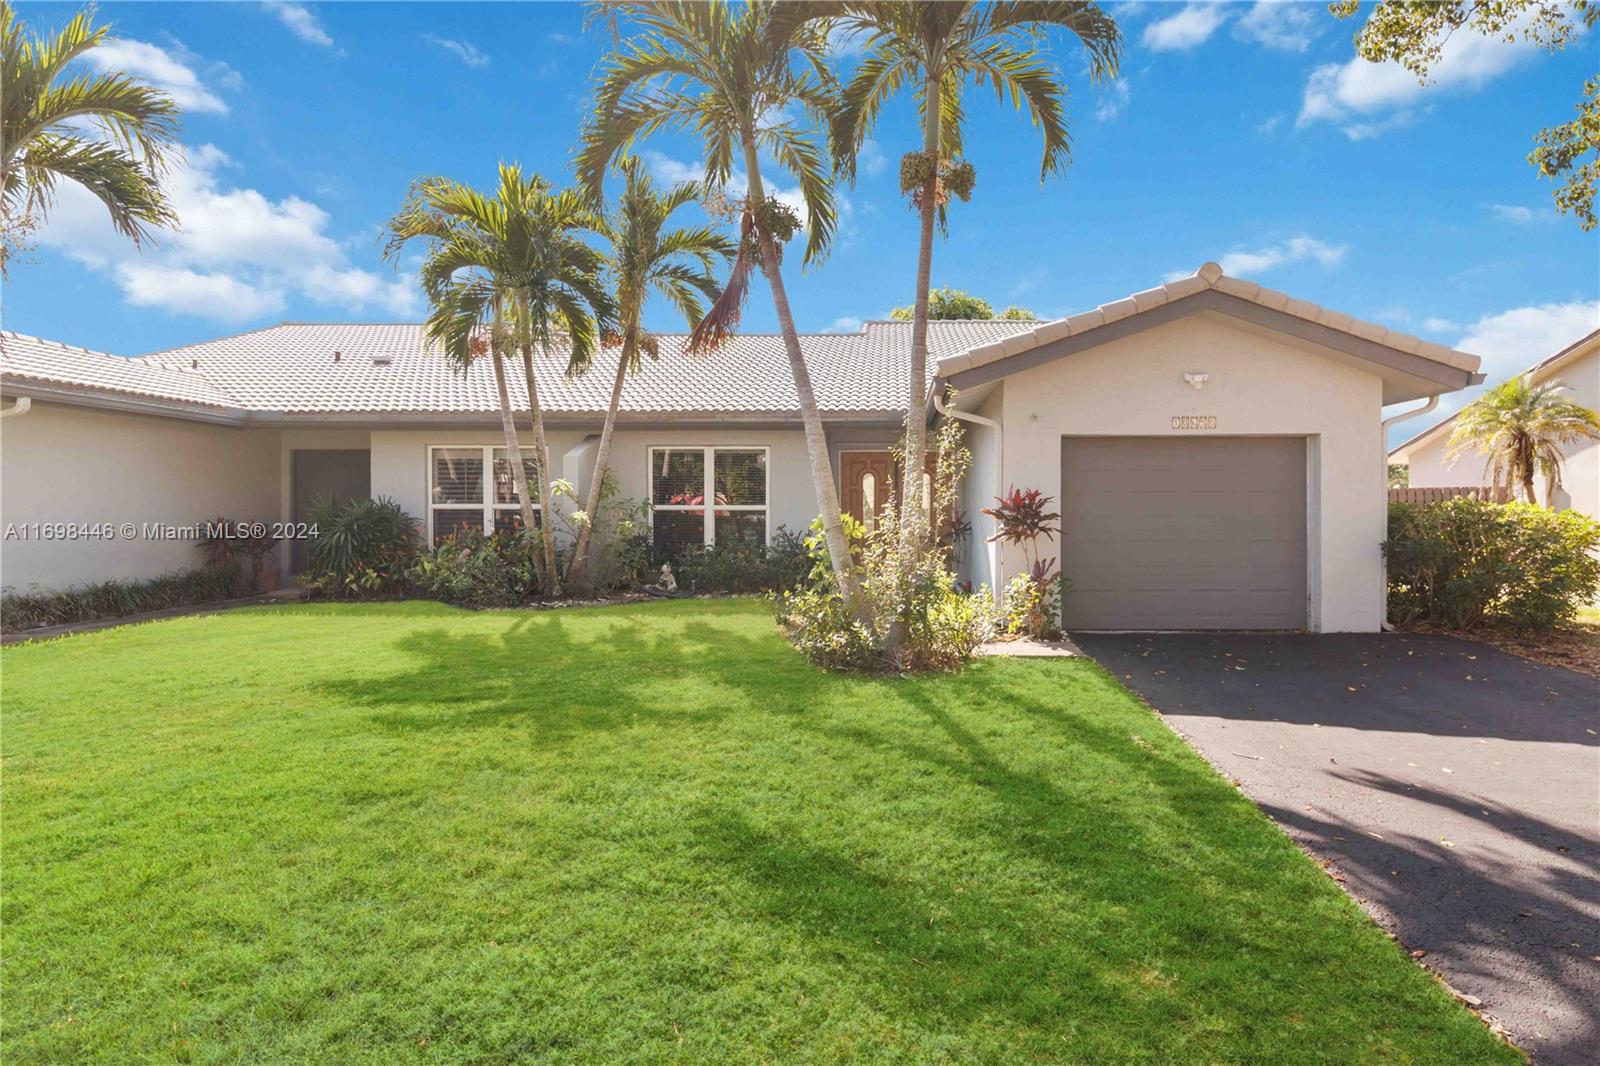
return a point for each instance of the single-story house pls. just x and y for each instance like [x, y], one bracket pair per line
[1576, 366]
[1215, 447]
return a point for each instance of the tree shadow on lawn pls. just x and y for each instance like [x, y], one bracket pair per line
[1194, 924]
[564, 679]
[1498, 926]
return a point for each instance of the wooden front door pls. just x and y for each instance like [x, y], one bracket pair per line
[866, 483]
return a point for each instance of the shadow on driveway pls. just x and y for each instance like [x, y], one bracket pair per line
[1453, 788]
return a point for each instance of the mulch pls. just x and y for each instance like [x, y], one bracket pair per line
[1575, 647]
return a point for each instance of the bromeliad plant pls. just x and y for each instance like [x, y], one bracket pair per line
[1033, 598]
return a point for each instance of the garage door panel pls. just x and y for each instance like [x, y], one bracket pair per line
[1184, 533]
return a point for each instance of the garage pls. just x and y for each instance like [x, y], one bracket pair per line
[1184, 532]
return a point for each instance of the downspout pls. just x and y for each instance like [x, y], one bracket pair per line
[1383, 451]
[999, 469]
[21, 407]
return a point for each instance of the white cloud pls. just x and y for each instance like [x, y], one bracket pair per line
[1279, 25]
[1440, 325]
[465, 51]
[1189, 28]
[1269, 126]
[1242, 263]
[1113, 100]
[160, 68]
[873, 161]
[301, 20]
[847, 324]
[1520, 215]
[1510, 342]
[235, 257]
[668, 169]
[216, 296]
[1386, 94]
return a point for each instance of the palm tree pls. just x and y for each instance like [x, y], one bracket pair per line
[48, 124]
[502, 273]
[646, 257]
[936, 49]
[1521, 427]
[727, 73]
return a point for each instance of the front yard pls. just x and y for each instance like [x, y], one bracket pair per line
[650, 833]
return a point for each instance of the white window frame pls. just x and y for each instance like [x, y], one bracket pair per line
[488, 503]
[709, 490]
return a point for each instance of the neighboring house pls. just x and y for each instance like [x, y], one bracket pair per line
[1577, 366]
[1215, 447]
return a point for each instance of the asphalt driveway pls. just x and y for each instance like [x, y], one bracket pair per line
[1453, 788]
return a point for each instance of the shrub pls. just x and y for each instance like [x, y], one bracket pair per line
[114, 599]
[1463, 561]
[361, 548]
[474, 570]
[780, 565]
[226, 543]
[619, 547]
[915, 616]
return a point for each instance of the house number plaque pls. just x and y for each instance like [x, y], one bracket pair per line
[1194, 421]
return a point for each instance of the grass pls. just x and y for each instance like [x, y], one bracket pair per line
[403, 833]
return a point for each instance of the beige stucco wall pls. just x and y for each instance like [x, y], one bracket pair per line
[1430, 467]
[1260, 384]
[61, 463]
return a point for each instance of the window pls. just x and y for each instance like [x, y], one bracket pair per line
[461, 498]
[682, 479]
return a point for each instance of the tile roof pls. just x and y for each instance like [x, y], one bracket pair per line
[28, 358]
[1209, 276]
[376, 369]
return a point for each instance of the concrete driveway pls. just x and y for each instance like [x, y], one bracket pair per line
[1454, 788]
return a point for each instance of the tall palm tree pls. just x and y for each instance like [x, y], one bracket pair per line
[730, 74]
[935, 50]
[646, 257]
[48, 124]
[1521, 427]
[502, 274]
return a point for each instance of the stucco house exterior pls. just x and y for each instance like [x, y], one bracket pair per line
[1578, 367]
[1215, 447]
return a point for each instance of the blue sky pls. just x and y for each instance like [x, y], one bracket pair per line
[1240, 132]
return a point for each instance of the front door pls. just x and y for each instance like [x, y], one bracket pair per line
[346, 475]
[867, 479]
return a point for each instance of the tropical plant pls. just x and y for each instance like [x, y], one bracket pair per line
[646, 256]
[947, 305]
[1413, 34]
[108, 132]
[474, 569]
[1520, 427]
[935, 50]
[736, 76]
[362, 547]
[1033, 598]
[226, 543]
[507, 273]
[918, 616]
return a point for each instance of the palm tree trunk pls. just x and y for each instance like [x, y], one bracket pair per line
[508, 426]
[911, 510]
[577, 569]
[810, 417]
[547, 533]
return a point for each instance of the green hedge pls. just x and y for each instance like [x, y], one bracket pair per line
[114, 599]
[1462, 562]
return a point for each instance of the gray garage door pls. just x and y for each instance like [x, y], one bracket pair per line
[1184, 533]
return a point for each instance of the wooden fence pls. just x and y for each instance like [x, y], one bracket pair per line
[1437, 495]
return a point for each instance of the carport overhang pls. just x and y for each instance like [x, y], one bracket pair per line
[1407, 375]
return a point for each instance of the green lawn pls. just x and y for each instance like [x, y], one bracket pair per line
[400, 833]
